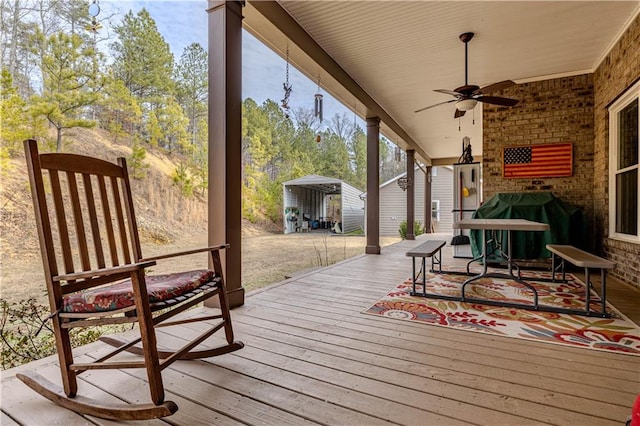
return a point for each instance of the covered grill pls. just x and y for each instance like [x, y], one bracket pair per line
[567, 223]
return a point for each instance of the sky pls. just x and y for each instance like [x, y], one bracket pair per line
[263, 71]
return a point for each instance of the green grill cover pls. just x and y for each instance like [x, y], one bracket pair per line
[567, 223]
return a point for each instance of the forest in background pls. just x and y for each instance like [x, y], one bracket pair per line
[59, 72]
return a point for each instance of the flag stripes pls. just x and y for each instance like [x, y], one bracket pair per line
[554, 160]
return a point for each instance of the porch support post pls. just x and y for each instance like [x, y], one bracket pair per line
[411, 194]
[225, 131]
[427, 200]
[373, 185]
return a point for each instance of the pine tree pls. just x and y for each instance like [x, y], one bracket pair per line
[70, 79]
[13, 110]
[191, 86]
[143, 59]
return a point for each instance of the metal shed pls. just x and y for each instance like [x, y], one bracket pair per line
[321, 202]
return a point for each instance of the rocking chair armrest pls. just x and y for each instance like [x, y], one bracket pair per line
[105, 271]
[187, 252]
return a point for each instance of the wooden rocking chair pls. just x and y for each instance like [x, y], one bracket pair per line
[95, 275]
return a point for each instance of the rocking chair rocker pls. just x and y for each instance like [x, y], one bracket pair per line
[95, 275]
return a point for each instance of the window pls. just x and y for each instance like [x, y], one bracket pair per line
[624, 174]
[435, 210]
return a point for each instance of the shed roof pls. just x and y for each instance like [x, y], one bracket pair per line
[318, 183]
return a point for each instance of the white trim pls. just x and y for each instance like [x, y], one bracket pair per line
[629, 96]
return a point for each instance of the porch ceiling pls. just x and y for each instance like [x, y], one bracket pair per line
[398, 52]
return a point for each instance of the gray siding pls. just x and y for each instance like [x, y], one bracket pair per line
[393, 202]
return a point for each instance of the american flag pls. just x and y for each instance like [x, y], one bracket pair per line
[555, 160]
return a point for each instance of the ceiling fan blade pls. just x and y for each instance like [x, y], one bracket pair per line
[496, 100]
[448, 92]
[458, 113]
[435, 105]
[494, 87]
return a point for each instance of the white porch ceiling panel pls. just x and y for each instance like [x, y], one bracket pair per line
[398, 52]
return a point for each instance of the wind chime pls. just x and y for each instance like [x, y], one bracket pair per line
[287, 89]
[94, 11]
[318, 108]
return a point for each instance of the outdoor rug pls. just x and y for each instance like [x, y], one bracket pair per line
[615, 334]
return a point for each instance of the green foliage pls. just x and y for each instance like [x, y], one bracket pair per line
[21, 342]
[418, 229]
[15, 119]
[142, 58]
[136, 160]
[120, 112]
[183, 180]
[173, 127]
[191, 87]
[70, 81]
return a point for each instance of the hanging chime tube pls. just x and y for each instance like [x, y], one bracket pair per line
[318, 106]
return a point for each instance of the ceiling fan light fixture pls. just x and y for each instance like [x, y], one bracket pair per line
[466, 104]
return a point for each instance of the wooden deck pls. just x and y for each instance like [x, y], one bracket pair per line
[311, 357]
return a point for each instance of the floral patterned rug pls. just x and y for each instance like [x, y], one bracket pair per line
[615, 334]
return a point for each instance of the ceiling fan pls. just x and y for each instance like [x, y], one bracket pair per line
[467, 96]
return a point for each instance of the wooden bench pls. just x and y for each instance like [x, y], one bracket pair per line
[584, 260]
[432, 249]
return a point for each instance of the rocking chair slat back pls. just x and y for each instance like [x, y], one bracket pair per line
[104, 198]
[78, 227]
[117, 200]
[93, 219]
[78, 220]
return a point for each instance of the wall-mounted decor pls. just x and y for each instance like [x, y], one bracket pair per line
[548, 160]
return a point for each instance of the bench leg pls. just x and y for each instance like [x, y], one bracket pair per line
[413, 276]
[436, 259]
[588, 296]
[424, 276]
[603, 291]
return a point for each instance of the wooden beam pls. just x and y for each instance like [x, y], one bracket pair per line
[411, 194]
[225, 134]
[373, 186]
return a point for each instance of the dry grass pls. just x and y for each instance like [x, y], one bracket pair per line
[266, 258]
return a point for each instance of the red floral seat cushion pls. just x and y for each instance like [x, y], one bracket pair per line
[120, 295]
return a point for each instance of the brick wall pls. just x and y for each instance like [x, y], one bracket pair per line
[549, 111]
[613, 76]
[571, 109]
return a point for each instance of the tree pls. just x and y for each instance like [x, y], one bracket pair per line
[191, 86]
[136, 160]
[143, 59]
[120, 111]
[173, 126]
[389, 167]
[13, 111]
[358, 148]
[69, 82]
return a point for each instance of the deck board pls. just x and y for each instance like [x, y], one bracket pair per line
[312, 357]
